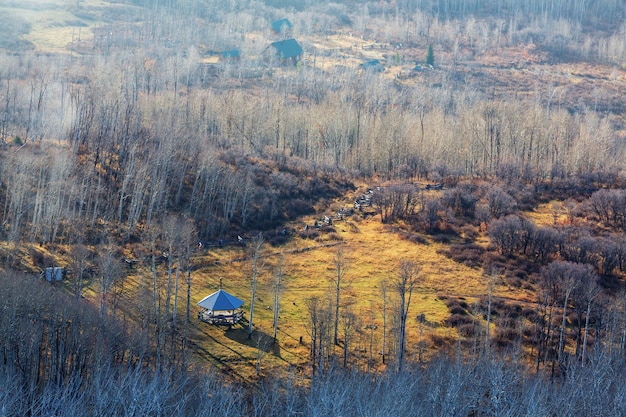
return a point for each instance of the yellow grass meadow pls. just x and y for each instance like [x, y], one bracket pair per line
[53, 23]
[371, 256]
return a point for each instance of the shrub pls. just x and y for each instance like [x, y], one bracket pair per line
[503, 337]
[469, 233]
[530, 314]
[512, 310]
[445, 239]
[511, 234]
[278, 239]
[298, 207]
[500, 203]
[461, 199]
[441, 341]
[468, 254]
[36, 257]
[311, 233]
[450, 302]
[514, 282]
[457, 320]
[468, 330]
[457, 309]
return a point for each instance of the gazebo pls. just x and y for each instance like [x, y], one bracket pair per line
[220, 308]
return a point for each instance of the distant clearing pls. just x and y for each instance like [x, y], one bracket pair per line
[55, 24]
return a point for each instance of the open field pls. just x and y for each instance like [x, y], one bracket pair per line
[58, 26]
[372, 253]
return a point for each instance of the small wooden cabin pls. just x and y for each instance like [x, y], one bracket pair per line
[288, 51]
[282, 26]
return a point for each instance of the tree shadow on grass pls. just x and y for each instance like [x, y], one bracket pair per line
[259, 340]
[217, 360]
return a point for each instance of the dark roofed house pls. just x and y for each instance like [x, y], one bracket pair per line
[230, 55]
[282, 26]
[372, 66]
[288, 50]
[220, 308]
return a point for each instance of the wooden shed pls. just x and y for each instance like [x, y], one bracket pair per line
[288, 51]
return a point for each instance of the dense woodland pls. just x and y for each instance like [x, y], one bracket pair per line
[132, 138]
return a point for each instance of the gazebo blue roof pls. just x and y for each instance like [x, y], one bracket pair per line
[220, 301]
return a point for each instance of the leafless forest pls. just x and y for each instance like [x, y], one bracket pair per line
[144, 131]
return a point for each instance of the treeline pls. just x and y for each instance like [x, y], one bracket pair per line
[445, 387]
[85, 154]
[133, 129]
[578, 10]
[57, 359]
[86, 192]
[584, 227]
[573, 261]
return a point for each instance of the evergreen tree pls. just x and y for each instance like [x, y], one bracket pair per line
[430, 56]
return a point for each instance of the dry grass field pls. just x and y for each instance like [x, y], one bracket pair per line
[56, 25]
[371, 253]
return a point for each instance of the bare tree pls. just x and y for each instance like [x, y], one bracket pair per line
[189, 237]
[110, 270]
[491, 283]
[262, 344]
[565, 277]
[320, 320]
[171, 230]
[421, 319]
[80, 256]
[313, 308]
[277, 289]
[350, 325]
[153, 234]
[404, 284]
[156, 319]
[591, 291]
[383, 348]
[337, 282]
[255, 253]
[371, 327]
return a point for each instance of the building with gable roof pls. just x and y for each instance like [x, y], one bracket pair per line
[282, 26]
[288, 50]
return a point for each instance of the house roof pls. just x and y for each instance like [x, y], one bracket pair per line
[220, 300]
[288, 48]
[231, 53]
[374, 65]
[281, 24]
